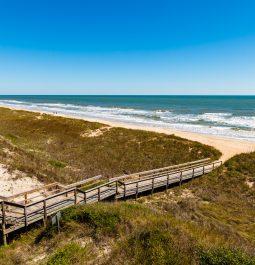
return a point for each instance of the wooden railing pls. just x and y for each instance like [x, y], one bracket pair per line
[166, 178]
[17, 215]
[158, 170]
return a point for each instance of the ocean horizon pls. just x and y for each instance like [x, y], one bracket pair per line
[231, 117]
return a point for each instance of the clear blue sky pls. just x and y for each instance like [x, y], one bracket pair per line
[127, 47]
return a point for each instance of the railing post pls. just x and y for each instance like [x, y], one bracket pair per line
[167, 182]
[3, 224]
[25, 213]
[136, 194]
[193, 173]
[116, 187]
[116, 191]
[152, 188]
[99, 198]
[85, 197]
[45, 213]
[203, 170]
[124, 190]
[213, 166]
[75, 196]
[180, 179]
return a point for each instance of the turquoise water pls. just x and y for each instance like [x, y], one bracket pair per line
[226, 116]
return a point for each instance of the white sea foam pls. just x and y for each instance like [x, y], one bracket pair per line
[223, 124]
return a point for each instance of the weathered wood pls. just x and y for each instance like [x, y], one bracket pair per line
[45, 213]
[116, 186]
[125, 190]
[99, 198]
[85, 197]
[152, 186]
[4, 237]
[180, 179]
[161, 169]
[40, 210]
[167, 182]
[75, 196]
[25, 214]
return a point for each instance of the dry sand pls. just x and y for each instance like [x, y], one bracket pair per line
[15, 182]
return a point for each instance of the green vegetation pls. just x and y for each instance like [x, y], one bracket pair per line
[209, 221]
[11, 137]
[225, 256]
[101, 220]
[55, 163]
[122, 233]
[70, 254]
[66, 150]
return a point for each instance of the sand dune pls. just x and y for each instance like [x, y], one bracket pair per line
[15, 182]
[228, 147]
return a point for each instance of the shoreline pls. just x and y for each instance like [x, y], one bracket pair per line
[228, 147]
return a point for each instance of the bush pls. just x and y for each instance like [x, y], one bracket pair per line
[99, 218]
[71, 254]
[156, 243]
[223, 256]
[56, 163]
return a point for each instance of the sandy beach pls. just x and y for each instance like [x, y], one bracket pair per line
[228, 147]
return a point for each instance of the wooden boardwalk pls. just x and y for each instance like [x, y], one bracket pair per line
[16, 215]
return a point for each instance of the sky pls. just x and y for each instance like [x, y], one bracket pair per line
[127, 47]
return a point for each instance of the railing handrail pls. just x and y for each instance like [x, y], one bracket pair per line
[14, 204]
[177, 170]
[51, 197]
[100, 186]
[172, 173]
[159, 169]
[33, 190]
[76, 184]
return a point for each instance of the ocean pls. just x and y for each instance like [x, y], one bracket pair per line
[231, 117]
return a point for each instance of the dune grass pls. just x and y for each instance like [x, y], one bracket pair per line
[61, 149]
[207, 221]
[214, 225]
[120, 233]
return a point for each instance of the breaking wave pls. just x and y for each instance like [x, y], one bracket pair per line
[216, 123]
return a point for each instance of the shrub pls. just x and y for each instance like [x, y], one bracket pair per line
[156, 243]
[71, 254]
[223, 256]
[56, 163]
[99, 218]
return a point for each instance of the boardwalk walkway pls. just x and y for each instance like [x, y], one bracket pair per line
[18, 214]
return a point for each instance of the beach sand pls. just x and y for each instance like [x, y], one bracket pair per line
[228, 147]
[15, 182]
